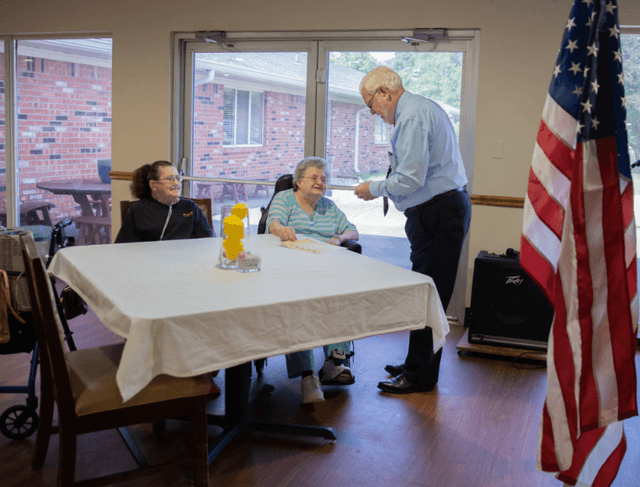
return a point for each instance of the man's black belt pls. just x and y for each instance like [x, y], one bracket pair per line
[435, 198]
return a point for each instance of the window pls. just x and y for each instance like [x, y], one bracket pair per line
[630, 47]
[58, 100]
[360, 142]
[381, 132]
[251, 106]
[242, 117]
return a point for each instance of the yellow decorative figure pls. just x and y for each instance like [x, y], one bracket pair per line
[234, 232]
[240, 210]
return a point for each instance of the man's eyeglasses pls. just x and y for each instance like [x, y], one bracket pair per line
[371, 101]
[171, 179]
[315, 179]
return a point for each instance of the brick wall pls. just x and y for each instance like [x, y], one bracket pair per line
[342, 127]
[64, 128]
[64, 125]
[283, 139]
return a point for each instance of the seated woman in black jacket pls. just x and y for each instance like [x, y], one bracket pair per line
[160, 213]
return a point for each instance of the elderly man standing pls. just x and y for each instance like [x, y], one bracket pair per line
[427, 182]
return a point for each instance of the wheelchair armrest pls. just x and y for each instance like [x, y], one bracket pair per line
[352, 245]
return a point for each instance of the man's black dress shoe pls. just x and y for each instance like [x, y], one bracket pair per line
[402, 385]
[395, 370]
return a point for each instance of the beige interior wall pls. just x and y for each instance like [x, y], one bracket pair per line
[518, 44]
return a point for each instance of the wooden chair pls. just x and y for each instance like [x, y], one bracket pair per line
[93, 230]
[82, 384]
[203, 203]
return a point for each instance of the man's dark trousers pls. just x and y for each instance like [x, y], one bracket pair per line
[436, 231]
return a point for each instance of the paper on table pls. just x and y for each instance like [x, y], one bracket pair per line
[312, 245]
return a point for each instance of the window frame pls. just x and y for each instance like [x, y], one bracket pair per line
[628, 30]
[249, 119]
[381, 135]
[185, 49]
[11, 59]
[318, 46]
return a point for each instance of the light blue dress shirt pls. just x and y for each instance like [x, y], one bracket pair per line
[426, 158]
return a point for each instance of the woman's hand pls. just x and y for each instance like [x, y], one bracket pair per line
[335, 240]
[287, 234]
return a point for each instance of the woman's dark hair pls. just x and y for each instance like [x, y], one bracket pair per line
[140, 186]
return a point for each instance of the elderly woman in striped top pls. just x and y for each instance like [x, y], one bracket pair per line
[304, 211]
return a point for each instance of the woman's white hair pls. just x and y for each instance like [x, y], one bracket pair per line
[305, 164]
[381, 76]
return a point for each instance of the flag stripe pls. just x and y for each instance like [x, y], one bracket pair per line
[553, 179]
[561, 377]
[558, 153]
[547, 209]
[543, 273]
[619, 316]
[593, 452]
[580, 204]
[547, 461]
[559, 121]
[609, 470]
[579, 244]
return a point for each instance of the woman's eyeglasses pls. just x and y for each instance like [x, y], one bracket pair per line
[171, 179]
[315, 179]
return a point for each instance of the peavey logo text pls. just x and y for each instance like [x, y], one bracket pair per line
[517, 280]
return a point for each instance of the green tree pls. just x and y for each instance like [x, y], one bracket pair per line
[360, 61]
[437, 75]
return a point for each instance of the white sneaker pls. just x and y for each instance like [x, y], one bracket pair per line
[333, 373]
[311, 392]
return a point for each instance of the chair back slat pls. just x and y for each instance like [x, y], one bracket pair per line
[49, 329]
[205, 206]
[203, 203]
[124, 207]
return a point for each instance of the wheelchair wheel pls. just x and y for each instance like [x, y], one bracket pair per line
[18, 422]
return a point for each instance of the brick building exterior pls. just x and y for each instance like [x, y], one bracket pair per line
[63, 126]
[283, 139]
[64, 129]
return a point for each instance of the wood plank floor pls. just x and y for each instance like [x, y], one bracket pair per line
[478, 428]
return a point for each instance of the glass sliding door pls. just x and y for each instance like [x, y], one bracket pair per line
[357, 143]
[250, 110]
[630, 47]
[247, 119]
[3, 142]
[64, 132]
[62, 136]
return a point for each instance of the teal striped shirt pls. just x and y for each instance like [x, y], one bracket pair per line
[328, 220]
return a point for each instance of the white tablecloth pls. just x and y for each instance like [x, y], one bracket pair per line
[183, 315]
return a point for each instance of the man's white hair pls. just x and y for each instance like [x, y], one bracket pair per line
[381, 76]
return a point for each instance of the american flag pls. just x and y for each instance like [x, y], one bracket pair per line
[578, 244]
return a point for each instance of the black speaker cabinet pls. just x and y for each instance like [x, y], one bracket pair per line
[507, 308]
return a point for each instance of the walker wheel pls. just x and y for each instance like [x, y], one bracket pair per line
[18, 422]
